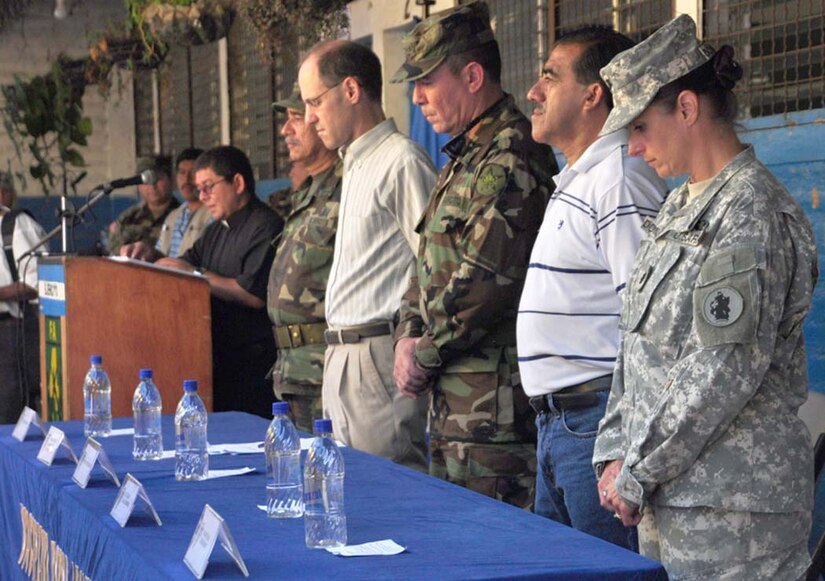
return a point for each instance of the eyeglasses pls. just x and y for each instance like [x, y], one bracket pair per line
[206, 189]
[316, 100]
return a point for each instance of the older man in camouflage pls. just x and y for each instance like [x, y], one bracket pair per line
[456, 334]
[298, 279]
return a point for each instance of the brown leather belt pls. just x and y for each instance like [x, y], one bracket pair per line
[299, 335]
[355, 334]
[576, 396]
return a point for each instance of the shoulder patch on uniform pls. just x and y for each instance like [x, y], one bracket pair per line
[491, 180]
[723, 306]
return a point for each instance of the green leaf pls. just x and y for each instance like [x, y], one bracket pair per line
[37, 171]
[85, 126]
[73, 157]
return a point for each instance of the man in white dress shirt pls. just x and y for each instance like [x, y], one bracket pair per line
[387, 178]
[568, 321]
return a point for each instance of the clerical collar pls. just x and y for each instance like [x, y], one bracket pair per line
[456, 145]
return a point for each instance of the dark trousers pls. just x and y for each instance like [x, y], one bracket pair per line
[19, 366]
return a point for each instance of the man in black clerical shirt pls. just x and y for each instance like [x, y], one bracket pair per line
[235, 254]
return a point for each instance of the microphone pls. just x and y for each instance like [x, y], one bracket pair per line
[148, 177]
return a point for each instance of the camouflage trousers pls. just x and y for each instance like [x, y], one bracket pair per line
[710, 544]
[304, 409]
[506, 472]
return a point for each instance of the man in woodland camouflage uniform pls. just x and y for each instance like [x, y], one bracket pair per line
[298, 279]
[456, 333]
[143, 221]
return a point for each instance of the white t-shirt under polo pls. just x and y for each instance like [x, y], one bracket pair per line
[387, 179]
[568, 320]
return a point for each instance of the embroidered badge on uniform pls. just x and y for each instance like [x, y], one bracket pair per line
[491, 180]
[723, 306]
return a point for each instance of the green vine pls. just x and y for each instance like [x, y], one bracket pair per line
[44, 118]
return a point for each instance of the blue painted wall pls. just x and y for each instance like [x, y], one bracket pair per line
[793, 147]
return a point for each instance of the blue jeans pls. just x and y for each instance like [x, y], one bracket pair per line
[566, 483]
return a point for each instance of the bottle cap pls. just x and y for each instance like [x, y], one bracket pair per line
[280, 408]
[146, 374]
[322, 426]
[190, 385]
[96, 359]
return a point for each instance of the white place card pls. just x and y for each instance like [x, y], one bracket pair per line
[28, 417]
[211, 527]
[130, 492]
[55, 439]
[93, 452]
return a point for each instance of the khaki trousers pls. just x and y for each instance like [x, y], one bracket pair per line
[368, 413]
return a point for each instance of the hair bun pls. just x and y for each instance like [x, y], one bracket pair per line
[727, 70]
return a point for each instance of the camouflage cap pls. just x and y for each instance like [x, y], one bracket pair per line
[292, 102]
[157, 163]
[443, 34]
[636, 75]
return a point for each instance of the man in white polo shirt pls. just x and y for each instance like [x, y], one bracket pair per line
[386, 181]
[568, 320]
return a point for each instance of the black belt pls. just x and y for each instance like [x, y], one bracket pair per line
[576, 396]
[4, 316]
[355, 334]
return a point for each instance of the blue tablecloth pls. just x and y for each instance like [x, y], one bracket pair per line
[449, 532]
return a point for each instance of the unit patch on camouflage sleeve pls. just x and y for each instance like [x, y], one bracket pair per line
[491, 180]
[723, 306]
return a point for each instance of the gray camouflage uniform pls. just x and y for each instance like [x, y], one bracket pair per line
[711, 373]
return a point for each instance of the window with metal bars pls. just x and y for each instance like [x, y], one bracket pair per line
[250, 100]
[144, 113]
[780, 45]
[175, 102]
[517, 31]
[635, 18]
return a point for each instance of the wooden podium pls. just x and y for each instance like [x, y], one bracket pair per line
[131, 313]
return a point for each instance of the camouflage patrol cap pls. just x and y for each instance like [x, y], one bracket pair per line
[443, 34]
[157, 163]
[636, 75]
[292, 102]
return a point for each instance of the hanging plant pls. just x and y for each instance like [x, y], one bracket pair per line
[44, 117]
[120, 46]
[200, 22]
[284, 23]
[143, 40]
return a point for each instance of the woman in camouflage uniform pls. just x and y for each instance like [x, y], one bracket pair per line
[701, 444]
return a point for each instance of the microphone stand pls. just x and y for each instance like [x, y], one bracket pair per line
[96, 195]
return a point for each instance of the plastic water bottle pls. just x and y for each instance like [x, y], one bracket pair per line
[324, 520]
[146, 406]
[284, 487]
[97, 400]
[191, 459]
